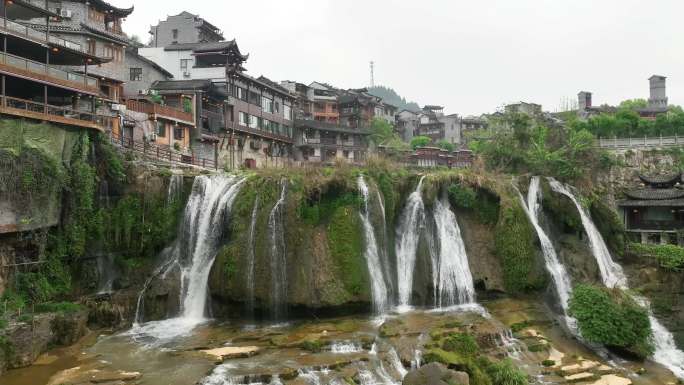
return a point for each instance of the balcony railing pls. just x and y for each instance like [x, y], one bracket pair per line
[655, 225]
[159, 110]
[52, 72]
[22, 30]
[159, 153]
[53, 113]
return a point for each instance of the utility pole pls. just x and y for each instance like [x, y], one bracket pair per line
[372, 73]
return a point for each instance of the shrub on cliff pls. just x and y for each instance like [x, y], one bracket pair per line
[514, 245]
[669, 257]
[612, 318]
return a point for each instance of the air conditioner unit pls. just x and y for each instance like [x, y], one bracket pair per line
[118, 107]
[153, 137]
[65, 13]
[186, 74]
[143, 92]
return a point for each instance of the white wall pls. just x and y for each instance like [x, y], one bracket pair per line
[171, 61]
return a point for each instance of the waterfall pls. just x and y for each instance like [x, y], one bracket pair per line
[454, 278]
[251, 256]
[107, 273]
[378, 286]
[278, 257]
[556, 269]
[408, 235]
[612, 275]
[175, 188]
[198, 241]
[384, 258]
[205, 215]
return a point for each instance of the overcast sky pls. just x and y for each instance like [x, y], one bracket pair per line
[470, 56]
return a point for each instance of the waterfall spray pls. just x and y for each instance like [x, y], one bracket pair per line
[408, 235]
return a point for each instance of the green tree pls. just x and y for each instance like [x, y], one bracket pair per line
[633, 104]
[612, 318]
[381, 131]
[420, 141]
[446, 145]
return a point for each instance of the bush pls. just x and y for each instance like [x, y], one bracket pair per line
[669, 257]
[548, 363]
[420, 141]
[505, 373]
[313, 346]
[612, 318]
[514, 245]
[461, 343]
[462, 196]
[345, 241]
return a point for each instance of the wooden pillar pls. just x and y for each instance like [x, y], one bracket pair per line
[45, 99]
[4, 99]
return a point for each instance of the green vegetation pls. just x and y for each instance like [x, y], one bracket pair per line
[548, 363]
[669, 257]
[312, 346]
[446, 145]
[462, 196]
[390, 96]
[382, 133]
[609, 225]
[514, 245]
[420, 141]
[612, 318]
[527, 145]
[461, 343]
[626, 122]
[460, 351]
[345, 241]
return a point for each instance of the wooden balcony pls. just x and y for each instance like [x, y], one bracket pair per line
[155, 110]
[55, 114]
[32, 70]
[23, 31]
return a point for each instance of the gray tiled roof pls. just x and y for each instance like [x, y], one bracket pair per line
[651, 194]
[652, 203]
[661, 179]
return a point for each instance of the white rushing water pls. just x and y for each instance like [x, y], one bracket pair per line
[408, 235]
[278, 257]
[346, 347]
[384, 257]
[455, 281]
[371, 254]
[556, 269]
[251, 257]
[200, 233]
[612, 275]
[175, 190]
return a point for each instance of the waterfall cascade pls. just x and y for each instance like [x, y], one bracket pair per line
[278, 257]
[384, 257]
[408, 235]
[199, 236]
[372, 255]
[251, 256]
[175, 188]
[455, 281]
[612, 275]
[556, 269]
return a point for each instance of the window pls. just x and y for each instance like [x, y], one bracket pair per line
[254, 98]
[174, 33]
[240, 93]
[108, 51]
[287, 112]
[244, 119]
[179, 133]
[161, 129]
[266, 104]
[253, 122]
[185, 64]
[92, 47]
[136, 74]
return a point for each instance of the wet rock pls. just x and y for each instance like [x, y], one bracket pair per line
[93, 374]
[612, 379]
[579, 367]
[436, 374]
[579, 377]
[231, 352]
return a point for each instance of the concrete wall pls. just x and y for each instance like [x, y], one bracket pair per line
[162, 34]
[171, 61]
[149, 75]
[452, 128]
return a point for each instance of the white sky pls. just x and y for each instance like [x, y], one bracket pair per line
[468, 55]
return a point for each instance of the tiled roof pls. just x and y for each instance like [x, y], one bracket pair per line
[661, 179]
[655, 203]
[651, 194]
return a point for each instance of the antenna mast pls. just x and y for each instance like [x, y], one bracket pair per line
[372, 73]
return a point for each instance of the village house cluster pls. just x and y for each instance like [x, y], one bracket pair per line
[186, 96]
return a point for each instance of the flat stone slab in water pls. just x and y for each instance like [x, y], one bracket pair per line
[612, 379]
[580, 367]
[578, 377]
[231, 352]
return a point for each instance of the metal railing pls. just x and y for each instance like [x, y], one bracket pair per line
[36, 67]
[50, 110]
[160, 153]
[23, 30]
[158, 109]
[654, 225]
[644, 142]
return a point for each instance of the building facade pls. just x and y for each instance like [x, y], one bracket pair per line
[36, 80]
[654, 212]
[142, 73]
[183, 28]
[94, 25]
